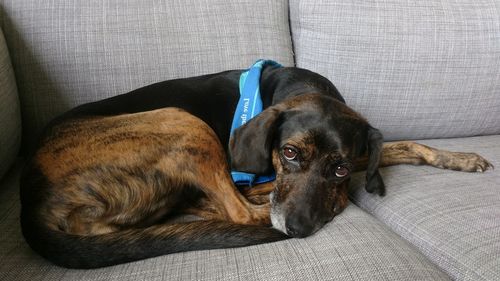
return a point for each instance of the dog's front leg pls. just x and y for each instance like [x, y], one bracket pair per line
[407, 152]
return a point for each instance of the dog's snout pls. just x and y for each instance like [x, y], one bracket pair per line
[299, 226]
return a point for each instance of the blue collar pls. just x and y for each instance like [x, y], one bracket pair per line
[249, 106]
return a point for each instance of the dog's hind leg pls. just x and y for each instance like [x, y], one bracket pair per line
[221, 193]
[407, 152]
[201, 159]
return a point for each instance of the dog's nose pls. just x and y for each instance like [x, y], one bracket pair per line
[299, 226]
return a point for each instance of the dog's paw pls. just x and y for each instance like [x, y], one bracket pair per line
[480, 164]
[470, 162]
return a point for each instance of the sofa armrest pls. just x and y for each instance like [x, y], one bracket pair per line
[10, 113]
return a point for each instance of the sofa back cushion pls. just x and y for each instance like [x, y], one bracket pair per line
[69, 52]
[10, 116]
[417, 69]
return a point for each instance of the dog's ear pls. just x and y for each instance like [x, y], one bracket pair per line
[374, 182]
[250, 145]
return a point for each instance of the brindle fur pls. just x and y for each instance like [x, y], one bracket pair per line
[103, 184]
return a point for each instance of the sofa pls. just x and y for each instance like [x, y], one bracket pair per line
[417, 70]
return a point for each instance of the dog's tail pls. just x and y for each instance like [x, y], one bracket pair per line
[74, 251]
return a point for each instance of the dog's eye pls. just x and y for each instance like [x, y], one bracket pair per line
[290, 153]
[341, 171]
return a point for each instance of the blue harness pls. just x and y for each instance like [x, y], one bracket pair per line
[249, 106]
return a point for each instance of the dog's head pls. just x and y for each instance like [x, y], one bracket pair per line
[311, 142]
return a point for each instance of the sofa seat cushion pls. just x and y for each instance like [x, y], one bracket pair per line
[355, 246]
[71, 52]
[452, 217]
[10, 114]
[415, 69]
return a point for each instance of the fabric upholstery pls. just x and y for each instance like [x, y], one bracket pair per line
[451, 217]
[68, 52]
[10, 116]
[415, 69]
[355, 246]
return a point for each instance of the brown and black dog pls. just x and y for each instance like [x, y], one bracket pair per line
[107, 177]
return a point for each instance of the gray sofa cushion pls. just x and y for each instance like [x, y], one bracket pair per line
[452, 217]
[10, 116]
[355, 246]
[415, 69]
[69, 52]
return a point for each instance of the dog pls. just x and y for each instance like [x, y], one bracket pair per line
[107, 179]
